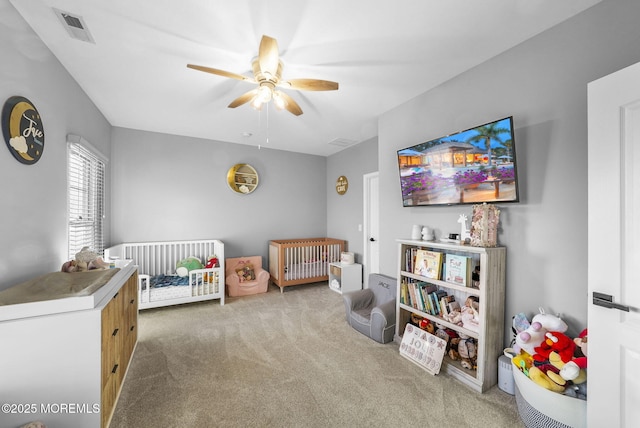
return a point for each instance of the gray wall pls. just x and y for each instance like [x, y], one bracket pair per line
[33, 198]
[543, 84]
[167, 187]
[345, 212]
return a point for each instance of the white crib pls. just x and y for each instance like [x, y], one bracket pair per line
[158, 260]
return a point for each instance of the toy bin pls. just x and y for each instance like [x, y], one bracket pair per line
[540, 408]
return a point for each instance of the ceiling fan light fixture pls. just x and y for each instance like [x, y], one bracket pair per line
[267, 73]
[256, 103]
[265, 93]
[279, 101]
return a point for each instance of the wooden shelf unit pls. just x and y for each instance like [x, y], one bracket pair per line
[491, 294]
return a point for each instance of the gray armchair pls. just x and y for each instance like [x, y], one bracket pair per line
[372, 311]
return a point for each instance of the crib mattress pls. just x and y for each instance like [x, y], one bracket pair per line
[306, 270]
[177, 291]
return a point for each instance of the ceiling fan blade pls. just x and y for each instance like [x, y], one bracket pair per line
[268, 55]
[244, 98]
[290, 104]
[310, 85]
[220, 72]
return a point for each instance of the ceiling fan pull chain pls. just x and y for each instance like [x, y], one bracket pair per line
[267, 124]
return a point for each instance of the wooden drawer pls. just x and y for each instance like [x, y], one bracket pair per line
[119, 336]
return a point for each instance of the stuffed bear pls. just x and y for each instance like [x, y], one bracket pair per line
[453, 348]
[69, 266]
[85, 260]
[467, 349]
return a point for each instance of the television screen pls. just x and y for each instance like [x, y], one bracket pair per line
[469, 167]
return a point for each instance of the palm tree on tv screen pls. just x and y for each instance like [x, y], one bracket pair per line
[487, 133]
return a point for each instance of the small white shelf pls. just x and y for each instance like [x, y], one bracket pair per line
[345, 277]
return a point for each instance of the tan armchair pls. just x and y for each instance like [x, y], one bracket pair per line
[245, 276]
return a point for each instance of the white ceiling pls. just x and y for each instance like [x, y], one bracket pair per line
[381, 52]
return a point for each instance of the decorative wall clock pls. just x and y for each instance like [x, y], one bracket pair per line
[23, 130]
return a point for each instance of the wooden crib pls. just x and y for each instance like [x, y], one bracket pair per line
[158, 284]
[302, 261]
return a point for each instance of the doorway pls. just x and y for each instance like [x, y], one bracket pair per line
[371, 231]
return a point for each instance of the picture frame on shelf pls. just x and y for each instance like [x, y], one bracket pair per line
[484, 225]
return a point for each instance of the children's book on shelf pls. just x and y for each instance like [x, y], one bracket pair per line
[453, 306]
[458, 269]
[404, 293]
[444, 304]
[428, 263]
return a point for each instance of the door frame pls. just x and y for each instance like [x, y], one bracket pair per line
[366, 232]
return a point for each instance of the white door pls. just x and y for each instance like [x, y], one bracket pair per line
[371, 257]
[614, 250]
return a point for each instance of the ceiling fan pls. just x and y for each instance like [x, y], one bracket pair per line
[267, 73]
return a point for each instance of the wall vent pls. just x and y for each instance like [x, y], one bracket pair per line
[342, 142]
[75, 26]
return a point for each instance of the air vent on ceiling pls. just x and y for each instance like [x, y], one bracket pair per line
[74, 25]
[342, 142]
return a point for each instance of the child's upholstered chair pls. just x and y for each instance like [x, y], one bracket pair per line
[245, 276]
[372, 311]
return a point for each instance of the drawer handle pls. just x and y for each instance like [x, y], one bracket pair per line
[115, 331]
[116, 295]
[132, 328]
[114, 369]
[132, 301]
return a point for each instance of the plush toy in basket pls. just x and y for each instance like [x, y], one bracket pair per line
[540, 407]
[550, 372]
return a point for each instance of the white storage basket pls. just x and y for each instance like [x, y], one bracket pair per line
[540, 408]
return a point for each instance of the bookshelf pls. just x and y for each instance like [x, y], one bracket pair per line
[491, 296]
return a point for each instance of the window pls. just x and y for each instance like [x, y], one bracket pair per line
[85, 181]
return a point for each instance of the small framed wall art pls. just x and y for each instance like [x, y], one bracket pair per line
[22, 129]
[342, 185]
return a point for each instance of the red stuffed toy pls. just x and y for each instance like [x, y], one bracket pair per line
[579, 362]
[558, 342]
[212, 262]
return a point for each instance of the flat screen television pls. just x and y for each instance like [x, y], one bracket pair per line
[469, 167]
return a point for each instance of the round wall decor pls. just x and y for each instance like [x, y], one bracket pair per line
[242, 178]
[342, 184]
[23, 130]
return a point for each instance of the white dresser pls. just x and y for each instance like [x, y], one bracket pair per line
[63, 360]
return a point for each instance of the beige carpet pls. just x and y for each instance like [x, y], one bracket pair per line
[286, 360]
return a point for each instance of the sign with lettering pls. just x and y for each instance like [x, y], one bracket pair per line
[423, 348]
[342, 184]
[23, 130]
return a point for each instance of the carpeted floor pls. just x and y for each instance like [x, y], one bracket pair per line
[286, 360]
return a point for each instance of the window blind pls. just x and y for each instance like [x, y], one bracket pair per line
[85, 182]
